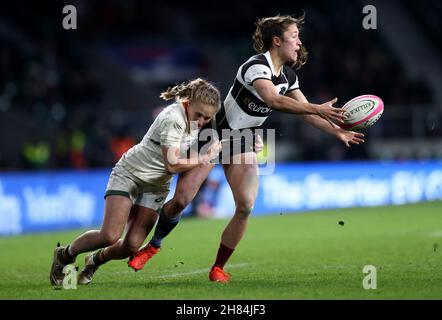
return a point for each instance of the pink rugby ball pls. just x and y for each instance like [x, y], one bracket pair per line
[362, 112]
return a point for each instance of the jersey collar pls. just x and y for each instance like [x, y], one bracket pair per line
[269, 60]
[184, 113]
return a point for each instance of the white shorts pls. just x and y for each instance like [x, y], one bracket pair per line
[123, 183]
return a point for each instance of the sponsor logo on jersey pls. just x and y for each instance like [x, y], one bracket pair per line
[254, 107]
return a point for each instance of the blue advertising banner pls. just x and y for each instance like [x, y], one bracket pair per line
[317, 186]
[49, 201]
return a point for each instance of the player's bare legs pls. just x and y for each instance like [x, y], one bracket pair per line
[117, 209]
[116, 213]
[187, 187]
[140, 223]
[243, 181]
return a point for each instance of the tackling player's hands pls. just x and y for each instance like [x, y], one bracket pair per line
[330, 113]
[348, 137]
[212, 152]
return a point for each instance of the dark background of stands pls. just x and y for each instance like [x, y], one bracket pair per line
[71, 98]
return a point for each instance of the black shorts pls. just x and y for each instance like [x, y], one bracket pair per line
[234, 141]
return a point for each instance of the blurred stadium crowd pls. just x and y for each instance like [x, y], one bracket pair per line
[80, 98]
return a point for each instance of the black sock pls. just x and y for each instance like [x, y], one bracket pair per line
[164, 227]
[99, 258]
[65, 257]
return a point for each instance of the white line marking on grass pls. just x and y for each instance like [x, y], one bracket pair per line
[338, 266]
[436, 234]
[174, 275]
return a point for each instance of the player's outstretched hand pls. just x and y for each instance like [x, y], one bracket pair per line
[330, 113]
[349, 136]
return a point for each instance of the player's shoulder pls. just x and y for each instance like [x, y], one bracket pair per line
[256, 64]
[257, 59]
[173, 114]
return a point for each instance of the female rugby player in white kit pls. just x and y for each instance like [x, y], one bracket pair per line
[139, 182]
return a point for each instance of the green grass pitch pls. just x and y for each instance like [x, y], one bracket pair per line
[286, 256]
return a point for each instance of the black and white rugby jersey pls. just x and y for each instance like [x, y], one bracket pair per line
[243, 107]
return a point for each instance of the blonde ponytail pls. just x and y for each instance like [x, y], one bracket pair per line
[197, 90]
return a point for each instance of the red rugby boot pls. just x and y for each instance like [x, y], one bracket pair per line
[219, 275]
[139, 259]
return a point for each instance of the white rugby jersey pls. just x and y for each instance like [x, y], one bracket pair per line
[243, 107]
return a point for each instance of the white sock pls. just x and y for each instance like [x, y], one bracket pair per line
[70, 251]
